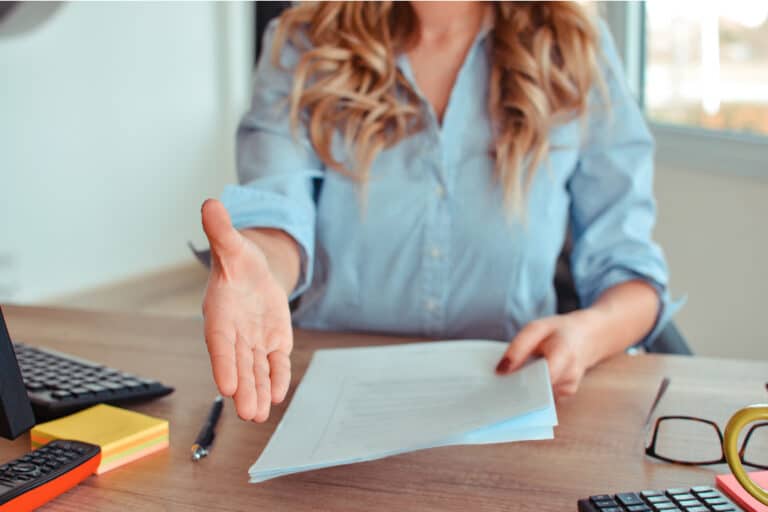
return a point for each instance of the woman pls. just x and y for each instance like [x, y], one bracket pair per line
[412, 168]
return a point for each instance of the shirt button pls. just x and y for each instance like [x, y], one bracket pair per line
[440, 191]
[430, 305]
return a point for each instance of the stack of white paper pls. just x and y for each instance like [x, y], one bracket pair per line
[360, 404]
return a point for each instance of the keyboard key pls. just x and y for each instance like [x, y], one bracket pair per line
[51, 383]
[677, 490]
[688, 503]
[600, 497]
[612, 509]
[657, 499]
[686, 496]
[715, 501]
[61, 393]
[666, 506]
[34, 385]
[80, 391]
[638, 508]
[723, 508]
[697, 509]
[605, 503]
[650, 493]
[108, 384]
[629, 498]
[701, 488]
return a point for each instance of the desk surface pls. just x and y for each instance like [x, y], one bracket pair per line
[598, 446]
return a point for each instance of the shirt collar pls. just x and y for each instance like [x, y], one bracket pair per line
[489, 21]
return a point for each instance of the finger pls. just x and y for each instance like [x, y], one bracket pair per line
[565, 390]
[245, 397]
[522, 345]
[558, 360]
[221, 349]
[280, 374]
[224, 239]
[263, 387]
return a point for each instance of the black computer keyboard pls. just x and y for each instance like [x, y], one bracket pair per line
[59, 384]
[695, 499]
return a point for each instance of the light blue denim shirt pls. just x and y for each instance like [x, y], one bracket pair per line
[435, 253]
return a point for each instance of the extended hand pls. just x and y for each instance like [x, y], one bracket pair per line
[562, 340]
[247, 319]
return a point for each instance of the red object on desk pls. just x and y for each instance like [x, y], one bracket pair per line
[44, 493]
[736, 492]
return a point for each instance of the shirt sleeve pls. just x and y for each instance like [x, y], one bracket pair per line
[613, 210]
[277, 171]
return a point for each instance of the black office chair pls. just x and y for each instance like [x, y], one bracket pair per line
[668, 341]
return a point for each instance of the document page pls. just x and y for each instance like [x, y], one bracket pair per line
[364, 403]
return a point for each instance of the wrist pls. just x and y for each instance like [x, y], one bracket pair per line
[280, 255]
[591, 325]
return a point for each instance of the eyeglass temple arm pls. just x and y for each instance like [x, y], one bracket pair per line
[660, 393]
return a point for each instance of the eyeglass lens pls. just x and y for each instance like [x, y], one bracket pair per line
[756, 449]
[688, 440]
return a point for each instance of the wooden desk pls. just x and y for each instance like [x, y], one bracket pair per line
[598, 446]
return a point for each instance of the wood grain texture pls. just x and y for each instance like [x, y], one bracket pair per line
[598, 446]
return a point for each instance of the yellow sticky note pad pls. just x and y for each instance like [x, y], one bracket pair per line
[124, 436]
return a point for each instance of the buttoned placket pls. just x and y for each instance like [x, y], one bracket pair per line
[440, 161]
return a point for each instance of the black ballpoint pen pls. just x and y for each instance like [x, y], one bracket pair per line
[208, 432]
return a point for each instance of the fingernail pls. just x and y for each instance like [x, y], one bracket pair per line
[503, 366]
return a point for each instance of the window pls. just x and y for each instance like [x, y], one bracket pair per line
[707, 64]
[700, 70]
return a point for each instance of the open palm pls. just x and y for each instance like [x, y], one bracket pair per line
[247, 319]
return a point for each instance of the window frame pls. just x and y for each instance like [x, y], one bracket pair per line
[681, 146]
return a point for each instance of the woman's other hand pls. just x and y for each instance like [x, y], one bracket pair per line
[247, 319]
[572, 343]
[562, 340]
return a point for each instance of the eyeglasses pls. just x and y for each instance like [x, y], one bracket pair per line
[665, 445]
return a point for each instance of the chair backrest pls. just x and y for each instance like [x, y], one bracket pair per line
[263, 13]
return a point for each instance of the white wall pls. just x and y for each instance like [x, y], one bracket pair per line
[116, 121]
[714, 232]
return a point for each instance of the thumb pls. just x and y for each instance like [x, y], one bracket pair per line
[224, 239]
[524, 344]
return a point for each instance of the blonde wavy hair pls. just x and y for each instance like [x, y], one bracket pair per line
[543, 64]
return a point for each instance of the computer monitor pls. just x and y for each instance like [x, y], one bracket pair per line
[16, 416]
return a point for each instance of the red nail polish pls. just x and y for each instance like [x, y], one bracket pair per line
[503, 365]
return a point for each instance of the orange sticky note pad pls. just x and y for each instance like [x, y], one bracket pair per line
[124, 436]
